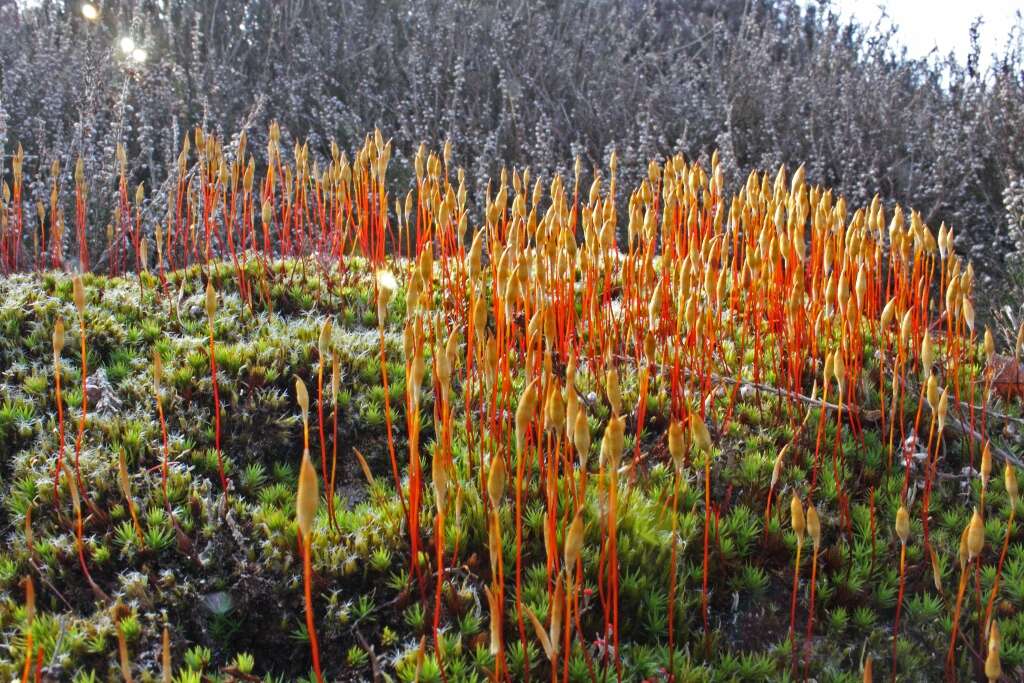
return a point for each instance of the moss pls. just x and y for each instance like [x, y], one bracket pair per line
[225, 575]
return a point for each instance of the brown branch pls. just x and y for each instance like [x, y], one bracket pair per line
[374, 665]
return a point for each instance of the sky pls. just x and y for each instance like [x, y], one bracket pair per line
[945, 24]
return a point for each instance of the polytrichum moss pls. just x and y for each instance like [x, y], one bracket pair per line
[540, 456]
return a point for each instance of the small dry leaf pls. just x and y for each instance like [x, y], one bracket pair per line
[557, 610]
[780, 460]
[1007, 376]
[364, 465]
[936, 570]
[495, 611]
[542, 634]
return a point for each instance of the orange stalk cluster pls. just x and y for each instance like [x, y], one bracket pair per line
[709, 300]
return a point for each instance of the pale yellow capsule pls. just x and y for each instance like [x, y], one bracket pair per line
[796, 516]
[968, 313]
[975, 536]
[581, 437]
[574, 542]
[491, 356]
[408, 341]
[932, 392]
[412, 294]
[903, 524]
[926, 353]
[650, 348]
[814, 526]
[699, 433]
[426, 263]
[58, 339]
[443, 368]
[439, 480]
[654, 306]
[943, 409]
[496, 482]
[211, 300]
[676, 444]
[906, 327]
[302, 397]
[417, 370]
[613, 442]
[993, 667]
[1010, 482]
[451, 349]
[839, 368]
[611, 386]
[888, 313]
[307, 498]
[861, 286]
[986, 464]
[78, 292]
[324, 341]
[572, 407]
[554, 409]
[474, 258]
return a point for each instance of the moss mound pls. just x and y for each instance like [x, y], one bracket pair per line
[222, 571]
